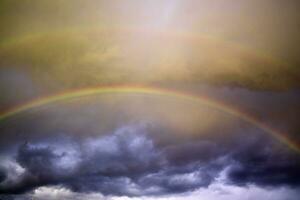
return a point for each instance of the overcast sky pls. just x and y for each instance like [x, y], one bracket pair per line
[129, 146]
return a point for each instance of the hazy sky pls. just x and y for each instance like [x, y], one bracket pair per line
[119, 146]
[246, 43]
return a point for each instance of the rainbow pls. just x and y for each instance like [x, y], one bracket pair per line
[145, 90]
[177, 35]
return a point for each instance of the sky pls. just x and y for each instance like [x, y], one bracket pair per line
[153, 99]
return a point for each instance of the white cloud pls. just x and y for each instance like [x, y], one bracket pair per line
[226, 192]
[217, 191]
[54, 193]
[14, 172]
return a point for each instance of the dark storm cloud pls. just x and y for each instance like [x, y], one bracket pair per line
[259, 164]
[124, 163]
[183, 154]
[128, 162]
[178, 179]
[2, 175]
[87, 165]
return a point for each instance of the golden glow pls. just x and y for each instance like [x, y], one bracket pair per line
[129, 42]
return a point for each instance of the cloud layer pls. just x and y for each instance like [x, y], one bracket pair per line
[128, 162]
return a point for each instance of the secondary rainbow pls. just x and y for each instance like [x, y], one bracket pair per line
[177, 35]
[72, 94]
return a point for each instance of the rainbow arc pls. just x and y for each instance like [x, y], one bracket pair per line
[73, 94]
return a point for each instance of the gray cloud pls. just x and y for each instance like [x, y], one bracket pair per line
[128, 162]
[266, 167]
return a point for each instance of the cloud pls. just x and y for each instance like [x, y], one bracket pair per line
[128, 162]
[268, 167]
[216, 191]
[105, 163]
[52, 193]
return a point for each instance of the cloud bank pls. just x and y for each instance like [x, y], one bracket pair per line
[129, 163]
